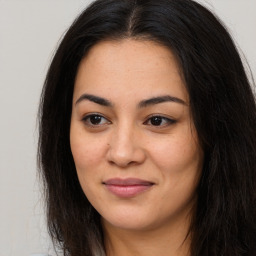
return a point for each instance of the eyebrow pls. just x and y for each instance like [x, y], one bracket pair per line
[142, 104]
[95, 99]
[160, 99]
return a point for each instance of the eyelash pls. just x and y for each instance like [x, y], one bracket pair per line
[156, 118]
[88, 122]
[168, 121]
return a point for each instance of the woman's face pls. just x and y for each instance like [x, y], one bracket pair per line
[134, 144]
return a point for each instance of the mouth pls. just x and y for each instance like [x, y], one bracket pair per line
[126, 188]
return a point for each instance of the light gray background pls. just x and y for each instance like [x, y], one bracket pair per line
[29, 33]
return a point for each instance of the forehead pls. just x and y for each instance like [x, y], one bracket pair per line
[129, 65]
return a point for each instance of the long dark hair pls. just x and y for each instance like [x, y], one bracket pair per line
[222, 106]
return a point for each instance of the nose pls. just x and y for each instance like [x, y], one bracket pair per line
[125, 148]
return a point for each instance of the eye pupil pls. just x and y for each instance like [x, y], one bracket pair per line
[95, 119]
[156, 120]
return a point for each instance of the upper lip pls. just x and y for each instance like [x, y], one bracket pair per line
[127, 182]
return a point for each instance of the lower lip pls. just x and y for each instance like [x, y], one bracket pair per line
[127, 191]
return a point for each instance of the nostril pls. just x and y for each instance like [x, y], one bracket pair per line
[124, 152]
[123, 164]
[111, 162]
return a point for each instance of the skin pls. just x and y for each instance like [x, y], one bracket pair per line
[126, 142]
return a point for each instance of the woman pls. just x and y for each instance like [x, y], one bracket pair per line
[147, 134]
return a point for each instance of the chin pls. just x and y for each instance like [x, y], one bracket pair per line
[131, 220]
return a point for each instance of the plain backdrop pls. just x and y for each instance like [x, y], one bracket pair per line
[29, 33]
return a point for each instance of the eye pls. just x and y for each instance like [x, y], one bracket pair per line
[159, 121]
[95, 120]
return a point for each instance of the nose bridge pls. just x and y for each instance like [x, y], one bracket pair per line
[125, 147]
[123, 140]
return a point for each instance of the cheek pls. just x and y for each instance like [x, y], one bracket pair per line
[86, 151]
[86, 155]
[176, 153]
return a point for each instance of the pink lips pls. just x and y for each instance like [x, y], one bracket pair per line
[127, 187]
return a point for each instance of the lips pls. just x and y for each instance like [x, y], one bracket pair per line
[127, 187]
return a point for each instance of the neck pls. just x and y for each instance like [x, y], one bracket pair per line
[170, 240]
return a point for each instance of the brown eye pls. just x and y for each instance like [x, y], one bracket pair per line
[95, 120]
[156, 120]
[159, 121]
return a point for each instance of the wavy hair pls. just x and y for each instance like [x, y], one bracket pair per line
[223, 110]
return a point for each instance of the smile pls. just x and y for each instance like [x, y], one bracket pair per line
[127, 187]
